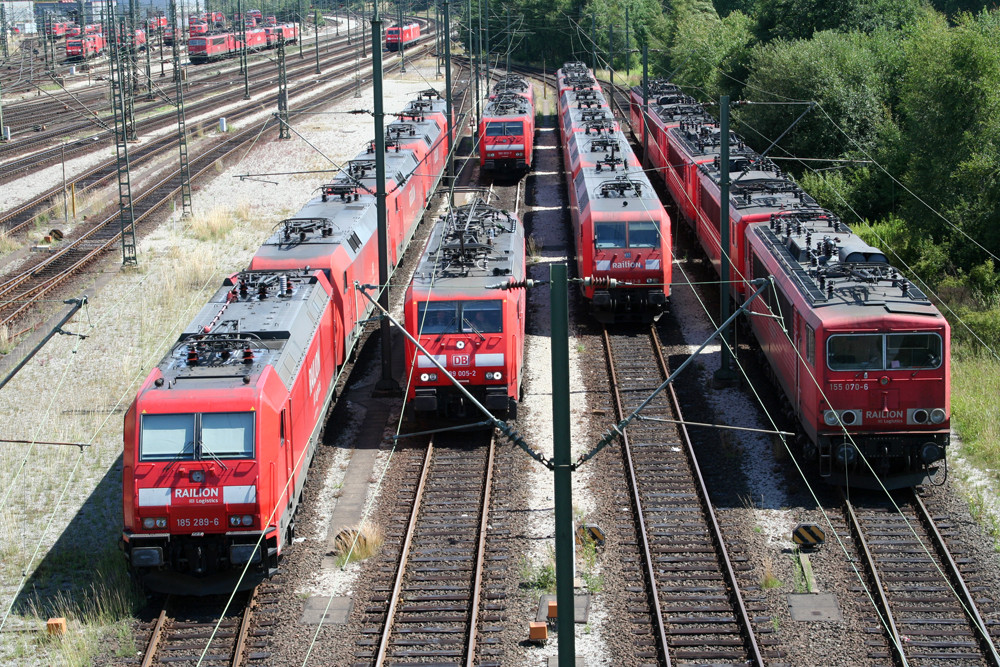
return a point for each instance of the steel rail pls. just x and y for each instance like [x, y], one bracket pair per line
[647, 556]
[749, 638]
[154, 639]
[477, 580]
[882, 602]
[244, 631]
[404, 553]
[958, 583]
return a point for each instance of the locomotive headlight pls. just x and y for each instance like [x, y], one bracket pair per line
[829, 417]
[498, 375]
[247, 520]
[920, 416]
[234, 520]
[161, 522]
[434, 377]
[937, 415]
[849, 417]
[198, 476]
[149, 523]
[460, 344]
[424, 377]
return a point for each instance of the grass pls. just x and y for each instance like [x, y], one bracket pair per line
[539, 577]
[979, 507]
[534, 251]
[975, 385]
[7, 244]
[769, 579]
[357, 544]
[98, 614]
[216, 224]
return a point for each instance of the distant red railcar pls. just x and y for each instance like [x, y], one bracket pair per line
[287, 30]
[409, 33]
[216, 46]
[57, 29]
[84, 47]
[507, 130]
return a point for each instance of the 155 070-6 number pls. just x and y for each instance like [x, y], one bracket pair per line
[848, 386]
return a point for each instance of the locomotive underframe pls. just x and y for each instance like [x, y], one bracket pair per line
[620, 306]
[899, 459]
[448, 402]
[505, 164]
[195, 565]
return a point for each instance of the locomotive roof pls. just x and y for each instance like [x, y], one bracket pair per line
[669, 103]
[757, 185]
[831, 266]
[273, 313]
[326, 220]
[507, 104]
[606, 149]
[471, 247]
[618, 188]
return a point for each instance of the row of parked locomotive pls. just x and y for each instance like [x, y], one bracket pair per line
[221, 434]
[621, 230]
[860, 354]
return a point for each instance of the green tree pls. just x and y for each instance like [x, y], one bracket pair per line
[797, 19]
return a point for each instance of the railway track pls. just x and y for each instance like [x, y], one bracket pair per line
[343, 55]
[19, 293]
[928, 609]
[685, 579]
[211, 631]
[24, 215]
[430, 605]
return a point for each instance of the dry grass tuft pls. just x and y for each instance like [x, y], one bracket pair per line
[357, 544]
[534, 250]
[7, 244]
[214, 225]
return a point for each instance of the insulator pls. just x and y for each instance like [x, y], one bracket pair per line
[192, 358]
[829, 290]
[283, 285]
[905, 287]
[243, 289]
[262, 291]
[247, 355]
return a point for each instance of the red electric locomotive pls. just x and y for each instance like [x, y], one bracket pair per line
[57, 29]
[216, 46]
[287, 30]
[507, 129]
[157, 22]
[84, 47]
[861, 355]
[220, 437]
[198, 28]
[409, 34]
[73, 30]
[452, 307]
[622, 232]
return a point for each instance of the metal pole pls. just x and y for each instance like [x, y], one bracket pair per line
[316, 34]
[628, 49]
[65, 198]
[302, 35]
[562, 466]
[447, 85]
[611, 53]
[486, 46]
[2, 136]
[510, 39]
[645, 99]
[725, 375]
[476, 52]
[438, 37]
[593, 42]
[387, 384]
[402, 58]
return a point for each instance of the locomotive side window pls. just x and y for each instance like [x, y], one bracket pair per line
[855, 352]
[167, 437]
[494, 129]
[227, 435]
[913, 350]
[811, 345]
[482, 316]
[643, 234]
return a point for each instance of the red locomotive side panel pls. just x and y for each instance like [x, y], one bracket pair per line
[475, 331]
[219, 438]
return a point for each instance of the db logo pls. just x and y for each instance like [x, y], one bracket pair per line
[460, 360]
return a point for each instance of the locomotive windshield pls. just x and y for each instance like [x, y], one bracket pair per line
[188, 437]
[635, 234]
[440, 317]
[504, 128]
[876, 352]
